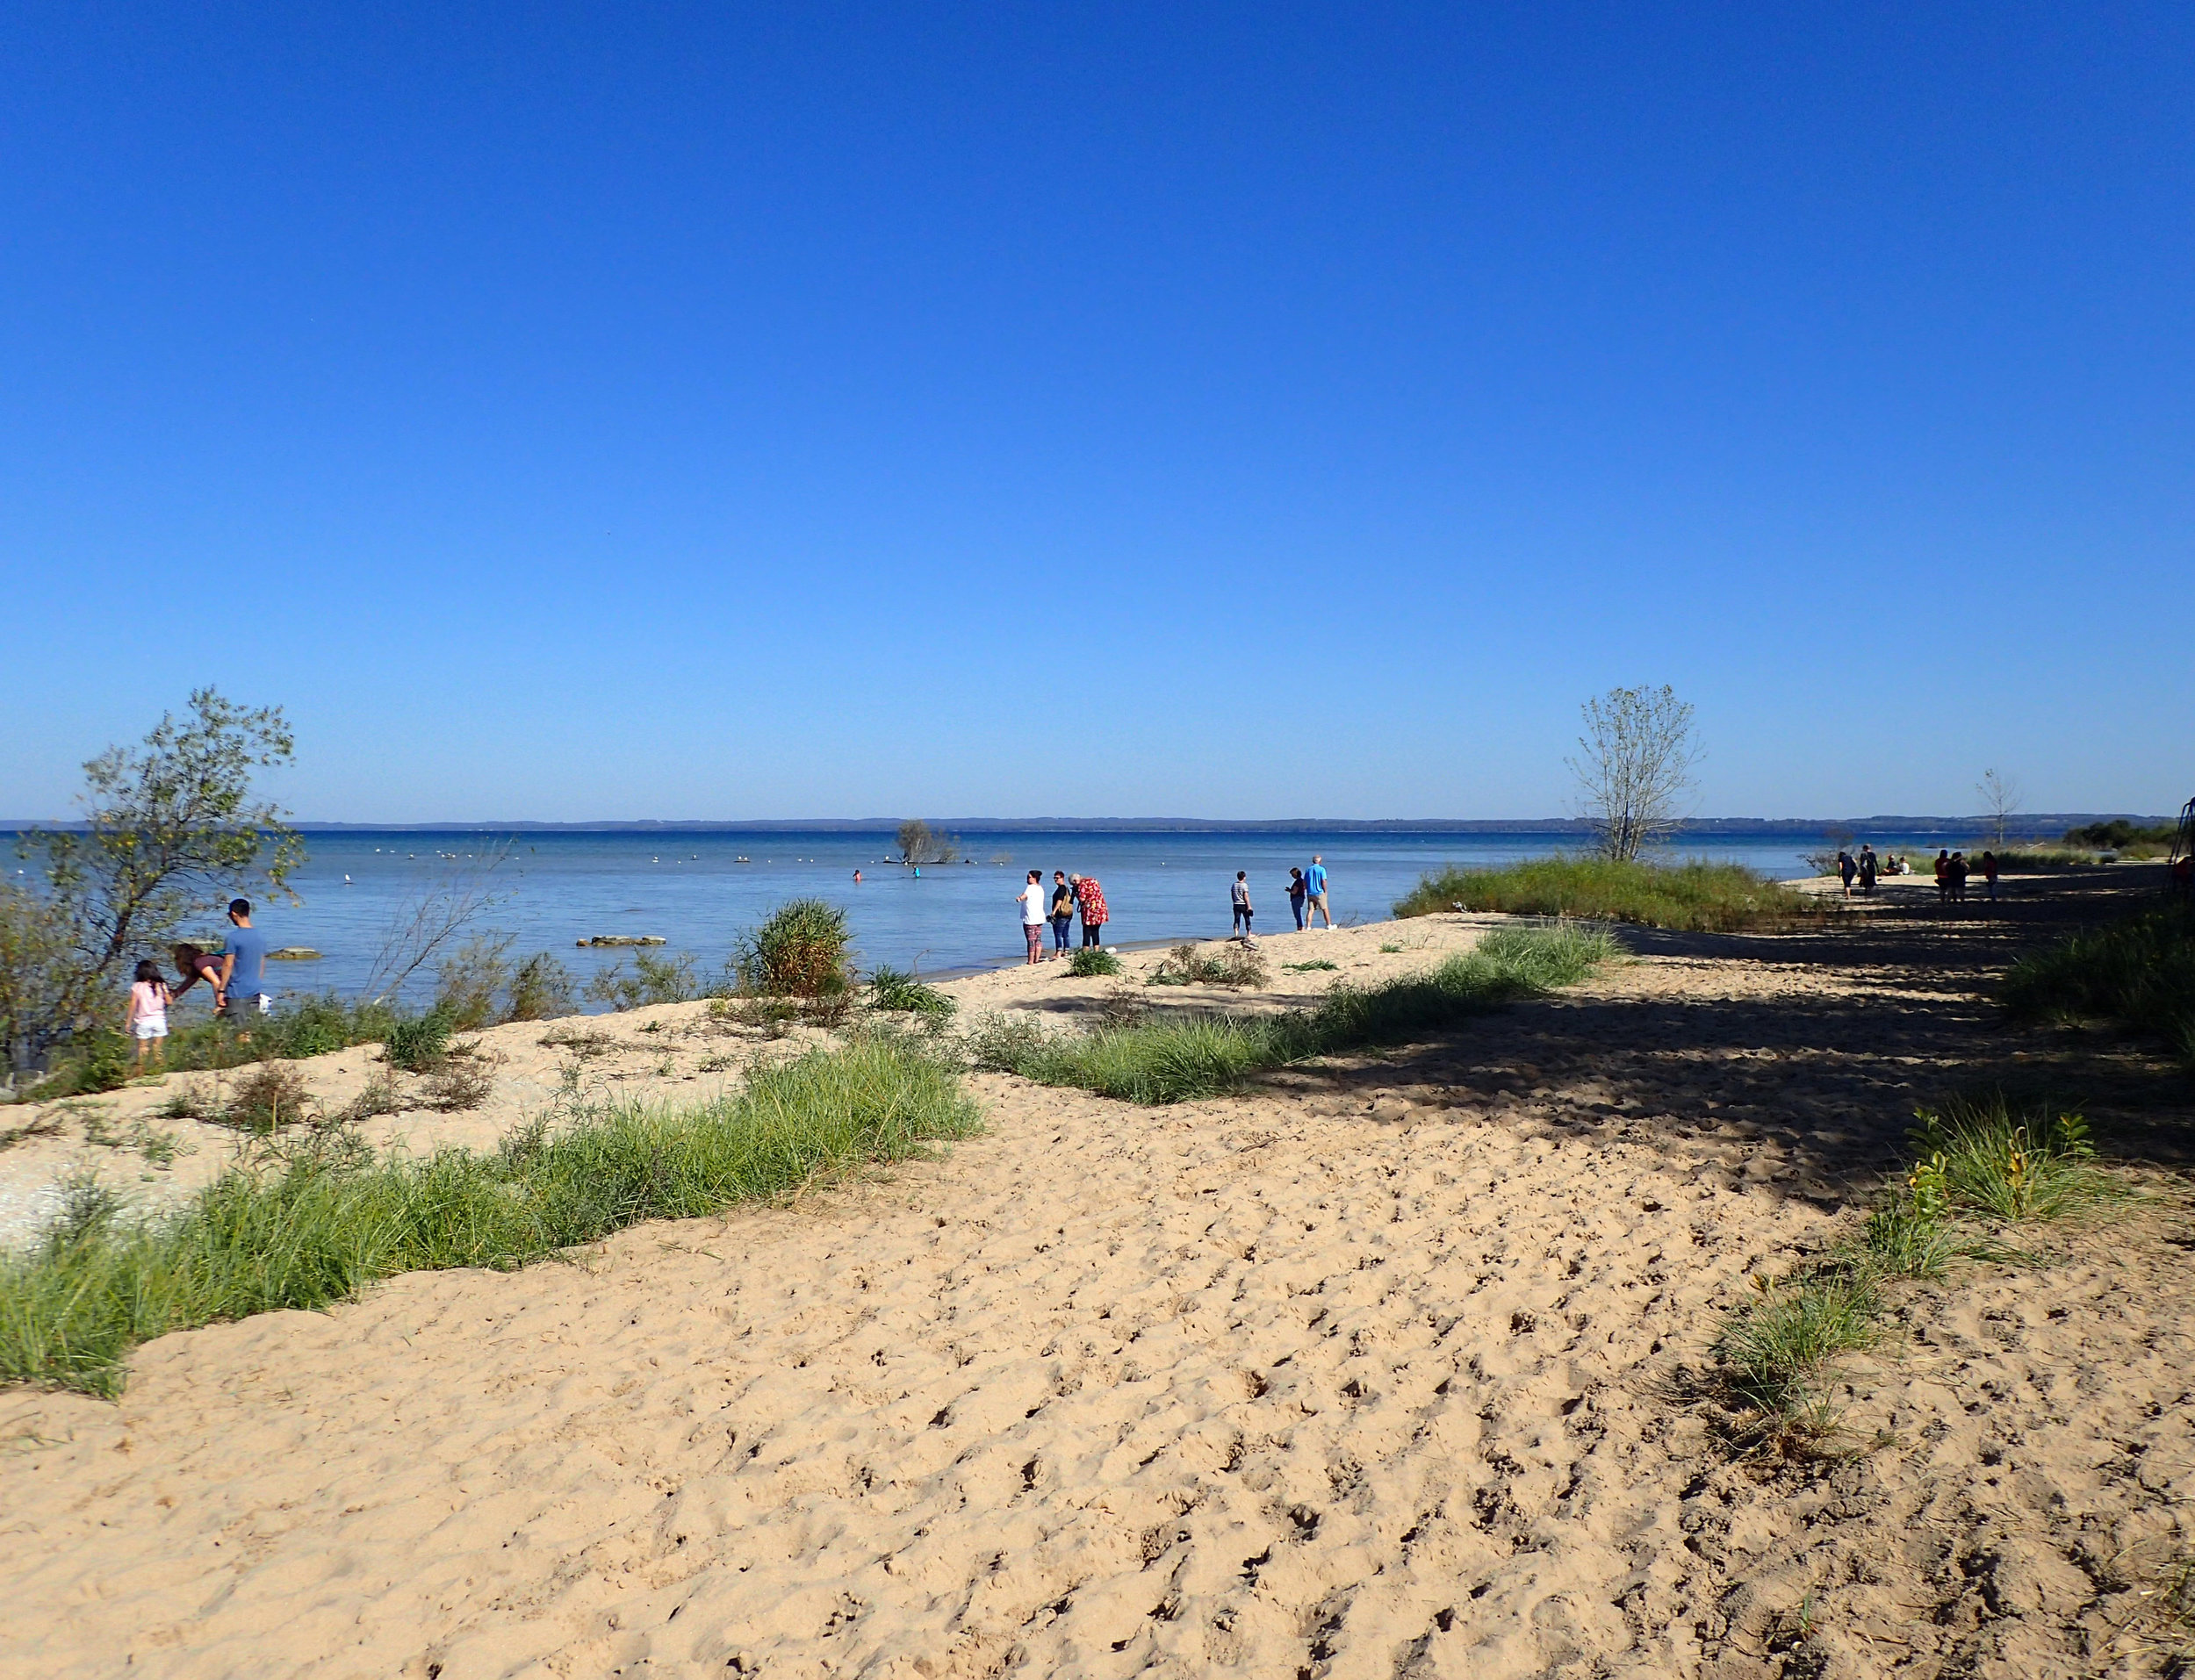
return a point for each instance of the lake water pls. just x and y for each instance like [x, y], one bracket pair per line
[699, 892]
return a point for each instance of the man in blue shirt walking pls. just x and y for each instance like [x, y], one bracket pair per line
[1314, 894]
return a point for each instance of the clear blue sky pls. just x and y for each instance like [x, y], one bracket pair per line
[714, 412]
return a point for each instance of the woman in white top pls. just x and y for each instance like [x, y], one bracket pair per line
[148, 1019]
[1033, 915]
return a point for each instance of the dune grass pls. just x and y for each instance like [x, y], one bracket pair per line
[2138, 971]
[1981, 1173]
[1178, 1060]
[310, 1224]
[1697, 897]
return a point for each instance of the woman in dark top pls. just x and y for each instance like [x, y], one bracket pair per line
[1296, 890]
[1062, 909]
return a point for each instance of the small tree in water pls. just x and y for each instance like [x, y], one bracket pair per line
[1634, 769]
[920, 843]
[169, 830]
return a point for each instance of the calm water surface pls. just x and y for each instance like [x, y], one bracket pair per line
[700, 891]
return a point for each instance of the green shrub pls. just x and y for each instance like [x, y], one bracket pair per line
[1092, 962]
[2118, 835]
[801, 950]
[2138, 971]
[1699, 897]
[654, 979]
[1239, 967]
[267, 1096]
[418, 1046]
[541, 989]
[889, 989]
[308, 1224]
[1179, 1058]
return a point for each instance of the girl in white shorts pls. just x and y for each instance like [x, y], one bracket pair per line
[147, 1018]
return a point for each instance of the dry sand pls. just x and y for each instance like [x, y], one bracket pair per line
[1379, 1369]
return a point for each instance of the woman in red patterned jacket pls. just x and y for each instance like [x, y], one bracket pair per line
[1091, 897]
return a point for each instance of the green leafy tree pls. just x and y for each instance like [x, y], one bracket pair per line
[169, 828]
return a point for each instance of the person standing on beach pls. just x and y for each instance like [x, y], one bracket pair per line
[1091, 898]
[1295, 896]
[1845, 869]
[243, 987]
[1959, 872]
[1989, 874]
[1315, 892]
[1866, 867]
[147, 1021]
[1032, 902]
[1241, 896]
[1062, 910]
[1943, 876]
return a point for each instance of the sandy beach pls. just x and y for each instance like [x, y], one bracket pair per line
[1384, 1366]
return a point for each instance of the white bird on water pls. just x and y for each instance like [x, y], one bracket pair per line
[346, 881]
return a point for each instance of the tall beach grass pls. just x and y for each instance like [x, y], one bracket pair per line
[2138, 971]
[319, 1221]
[1698, 897]
[1175, 1060]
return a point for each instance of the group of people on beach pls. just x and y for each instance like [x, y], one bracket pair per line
[1952, 870]
[235, 976]
[1307, 899]
[1071, 895]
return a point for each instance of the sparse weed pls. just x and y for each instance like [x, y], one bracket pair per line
[266, 1097]
[463, 1082]
[1238, 967]
[1317, 964]
[1092, 962]
[654, 979]
[378, 1097]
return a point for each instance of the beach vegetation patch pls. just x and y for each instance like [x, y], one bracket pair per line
[891, 989]
[802, 950]
[311, 1218]
[1091, 962]
[2138, 971]
[653, 978]
[1177, 1058]
[1238, 967]
[1694, 896]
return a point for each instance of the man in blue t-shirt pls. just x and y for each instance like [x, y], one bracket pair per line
[1315, 895]
[243, 992]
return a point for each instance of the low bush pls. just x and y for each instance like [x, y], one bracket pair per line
[1697, 896]
[1179, 1058]
[653, 979]
[2118, 835]
[308, 1223]
[1239, 967]
[2138, 971]
[802, 950]
[267, 1096]
[418, 1046]
[462, 1082]
[541, 989]
[890, 989]
[1092, 962]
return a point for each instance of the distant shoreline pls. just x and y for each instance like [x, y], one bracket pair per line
[2037, 822]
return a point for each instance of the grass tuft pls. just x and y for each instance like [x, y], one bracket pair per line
[1179, 1058]
[1238, 967]
[890, 989]
[306, 1224]
[1090, 962]
[1698, 897]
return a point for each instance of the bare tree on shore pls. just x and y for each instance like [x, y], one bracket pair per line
[1634, 768]
[2000, 800]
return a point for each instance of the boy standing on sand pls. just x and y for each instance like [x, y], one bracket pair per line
[1314, 894]
[1241, 895]
[1033, 915]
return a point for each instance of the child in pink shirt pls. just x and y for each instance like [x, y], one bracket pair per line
[148, 1019]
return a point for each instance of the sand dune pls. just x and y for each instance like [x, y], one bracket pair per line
[1375, 1371]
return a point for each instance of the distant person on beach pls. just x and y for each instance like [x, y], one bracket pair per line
[1296, 891]
[1989, 874]
[244, 968]
[194, 965]
[1063, 909]
[147, 1021]
[1241, 894]
[1845, 869]
[1943, 876]
[1958, 873]
[1091, 898]
[1866, 868]
[1314, 893]
[1033, 915]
